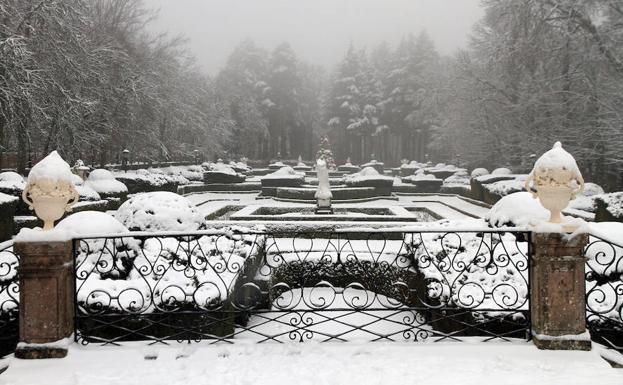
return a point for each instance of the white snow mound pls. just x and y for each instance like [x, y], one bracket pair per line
[159, 211]
[517, 209]
[52, 167]
[87, 223]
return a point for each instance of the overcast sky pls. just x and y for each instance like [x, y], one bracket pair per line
[319, 30]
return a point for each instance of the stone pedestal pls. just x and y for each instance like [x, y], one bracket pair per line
[557, 294]
[46, 308]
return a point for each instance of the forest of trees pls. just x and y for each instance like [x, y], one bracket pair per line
[87, 78]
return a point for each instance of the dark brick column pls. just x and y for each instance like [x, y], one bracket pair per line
[46, 306]
[557, 294]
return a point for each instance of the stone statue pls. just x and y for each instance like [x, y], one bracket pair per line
[323, 193]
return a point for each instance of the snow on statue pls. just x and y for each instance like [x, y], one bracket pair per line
[323, 193]
[555, 179]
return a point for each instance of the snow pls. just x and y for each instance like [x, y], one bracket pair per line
[518, 209]
[421, 176]
[285, 172]
[52, 167]
[222, 168]
[11, 176]
[479, 172]
[366, 174]
[312, 364]
[159, 211]
[89, 223]
[614, 202]
[557, 158]
[324, 190]
[103, 182]
[154, 176]
[5, 198]
[37, 235]
[460, 179]
[501, 171]
[504, 187]
[585, 336]
[60, 344]
[592, 189]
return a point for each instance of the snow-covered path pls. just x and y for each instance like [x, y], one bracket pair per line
[334, 364]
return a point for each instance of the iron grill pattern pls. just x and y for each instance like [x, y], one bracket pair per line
[604, 292]
[290, 286]
[9, 299]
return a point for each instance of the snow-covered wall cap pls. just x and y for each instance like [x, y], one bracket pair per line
[52, 167]
[557, 158]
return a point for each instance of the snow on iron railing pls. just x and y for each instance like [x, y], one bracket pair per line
[229, 228]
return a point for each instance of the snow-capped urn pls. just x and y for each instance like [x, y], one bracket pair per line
[50, 191]
[300, 161]
[323, 193]
[81, 169]
[555, 180]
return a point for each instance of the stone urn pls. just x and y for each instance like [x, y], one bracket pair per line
[50, 191]
[555, 180]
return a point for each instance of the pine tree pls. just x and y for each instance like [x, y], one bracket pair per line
[326, 154]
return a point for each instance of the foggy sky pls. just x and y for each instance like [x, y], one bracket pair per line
[319, 30]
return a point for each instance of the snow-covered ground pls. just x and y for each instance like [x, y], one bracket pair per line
[328, 363]
[450, 207]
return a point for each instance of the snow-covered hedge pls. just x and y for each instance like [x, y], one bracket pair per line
[86, 192]
[150, 180]
[160, 211]
[284, 177]
[104, 183]
[517, 209]
[222, 173]
[609, 207]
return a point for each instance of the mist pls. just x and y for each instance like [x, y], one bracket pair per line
[319, 31]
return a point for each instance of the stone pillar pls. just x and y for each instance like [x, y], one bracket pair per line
[46, 306]
[557, 293]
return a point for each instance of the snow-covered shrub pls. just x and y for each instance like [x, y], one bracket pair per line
[518, 209]
[284, 177]
[501, 171]
[104, 258]
[458, 183]
[496, 190]
[12, 183]
[104, 183]
[479, 172]
[159, 211]
[609, 207]
[150, 180]
[222, 173]
[8, 204]
[370, 177]
[86, 192]
[585, 201]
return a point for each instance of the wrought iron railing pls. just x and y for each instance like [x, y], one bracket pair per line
[9, 298]
[604, 291]
[231, 285]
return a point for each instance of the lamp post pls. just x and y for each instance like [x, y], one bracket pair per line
[125, 157]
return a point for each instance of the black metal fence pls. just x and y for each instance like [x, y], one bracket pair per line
[9, 299]
[222, 286]
[604, 292]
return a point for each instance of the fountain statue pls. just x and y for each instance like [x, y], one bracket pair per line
[323, 193]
